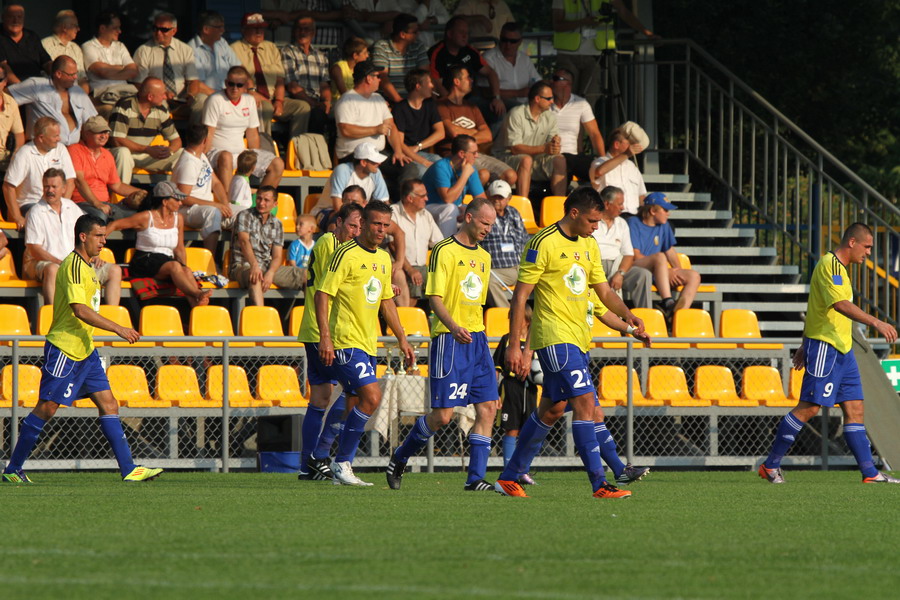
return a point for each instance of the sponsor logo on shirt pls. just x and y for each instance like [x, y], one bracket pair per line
[472, 286]
[372, 290]
[576, 280]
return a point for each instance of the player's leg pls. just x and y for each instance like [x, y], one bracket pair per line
[29, 432]
[334, 421]
[423, 430]
[356, 370]
[483, 394]
[320, 386]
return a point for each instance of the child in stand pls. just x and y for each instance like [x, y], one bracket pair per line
[301, 248]
[355, 50]
[240, 194]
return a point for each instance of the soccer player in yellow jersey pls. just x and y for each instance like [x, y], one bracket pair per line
[316, 438]
[832, 376]
[72, 368]
[358, 284]
[462, 370]
[559, 264]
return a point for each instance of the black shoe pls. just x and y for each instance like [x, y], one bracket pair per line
[631, 474]
[394, 473]
[305, 476]
[479, 486]
[320, 470]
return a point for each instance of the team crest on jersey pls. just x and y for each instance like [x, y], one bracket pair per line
[472, 286]
[245, 111]
[372, 290]
[472, 263]
[656, 240]
[576, 256]
[576, 280]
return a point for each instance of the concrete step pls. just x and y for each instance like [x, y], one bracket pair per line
[700, 215]
[666, 178]
[714, 233]
[782, 326]
[763, 288]
[774, 307]
[743, 270]
[729, 251]
[676, 197]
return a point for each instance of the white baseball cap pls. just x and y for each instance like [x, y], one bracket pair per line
[366, 151]
[499, 188]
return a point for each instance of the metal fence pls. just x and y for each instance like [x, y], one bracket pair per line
[196, 405]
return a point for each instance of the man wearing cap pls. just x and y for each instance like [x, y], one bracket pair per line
[654, 250]
[96, 176]
[363, 171]
[262, 59]
[617, 169]
[421, 234]
[449, 180]
[505, 243]
[166, 57]
[50, 237]
[56, 97]
[614, 238]
[362, 115]
[574, 116]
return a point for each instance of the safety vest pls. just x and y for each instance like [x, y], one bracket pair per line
[570, 41]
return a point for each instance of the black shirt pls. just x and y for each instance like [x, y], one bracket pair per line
[442, 61]
[27, 57]
[416, 125]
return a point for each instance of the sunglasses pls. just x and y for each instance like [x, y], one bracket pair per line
[506, 40]
[3, 78]
[560, 78]
[234, 84]
[163, 29]
[547, 98]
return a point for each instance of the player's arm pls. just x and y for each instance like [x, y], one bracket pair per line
[326, 348]
[460, 334]
[514, 357]
[617, 324]
[389, 311]
[85, 313]
[851, 311]
[611, 300]
[799, 355]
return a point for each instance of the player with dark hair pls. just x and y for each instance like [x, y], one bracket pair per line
[72, 367]
[462, 371]
[832, 376]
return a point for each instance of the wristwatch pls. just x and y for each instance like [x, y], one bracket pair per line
[419, 147]
[620, 272]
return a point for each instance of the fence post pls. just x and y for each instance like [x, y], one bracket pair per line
[226, 407]
[629, 409]
[14, 414]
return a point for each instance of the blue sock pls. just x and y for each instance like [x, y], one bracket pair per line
[479, 450]
[509, 446]
[531, 437]
[785, 435]
[350, 436]
[29, 431]
[309, 433]
[589, 451]
[858, 441]
[331, 429]
[111, 427]
[415, 441]
[608, 450]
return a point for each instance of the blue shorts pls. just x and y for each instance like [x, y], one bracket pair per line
[64, 380]
[566, 372]
[316, 372]
[461, 374]
[831, 377]
[353, 368]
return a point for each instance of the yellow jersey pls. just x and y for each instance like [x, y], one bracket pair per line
[358, 279]
[319, 258]
[562, 269]
[76, 283]
[595, 308]
[830, 283]
[460, 275]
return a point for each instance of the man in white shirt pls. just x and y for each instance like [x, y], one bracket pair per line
[363, 171]
[231, 115]
[514, 68]
[171, 60]
[62, 43]
[109, 64]
[574, 115]
[616, 168]
[614, 238]
[23, 185]
[421, 234]
[213, 57]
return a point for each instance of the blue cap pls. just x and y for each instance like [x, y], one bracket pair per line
[659, 199]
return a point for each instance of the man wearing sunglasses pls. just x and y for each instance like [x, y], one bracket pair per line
[166, 57]
[62, 43]
[514, 68]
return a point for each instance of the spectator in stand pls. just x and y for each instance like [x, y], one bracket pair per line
[262, 60]
[514, 68]
[574, 115]
[205, 203]
[10, 122]
[354, 52]
[505, 243]
[614, 238]
[21, 50]
[485, 17]
[431, 14]
[213, 57]
[449, 180]
[62, 43]
[530, 139]
[159, 243]
[136, 121]
[167, 58]
[96, 176]
[109, 64]
[257, 255]
[399, 55]
[306, 74]
[362, 115]
[50, 237]
[230, 115]
[418, 124]
[363, 171]
[654, 250]
[240, 194]
[55, 97]
[300, 249]
[421, 234]
[464, 118]
[23, 185]
[281, 12]
[617, 169]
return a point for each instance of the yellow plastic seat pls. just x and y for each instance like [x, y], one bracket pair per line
[212, 320]
[106, 255]
[45, 318]
[287, 213]
[120, 316]
[740, 323]
[9, 277]
[198, 258]
[29, 386]
[764, 385]
[413, 320]
[523, 205]
[696, 323]
[716, 384]
[552, 209]
[14, 321]
[668, 383]
[796, 383]
[291, 168]
[614, 387]
[164, 321]
[309, 202]
[177, 384]
[496, 323]
[599, 329]
[239, 395]
[263, 321]
[655, 326]
[129, 386]
[295, 320]
[279, 385]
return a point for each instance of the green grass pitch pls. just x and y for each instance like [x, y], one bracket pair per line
[241, 535]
